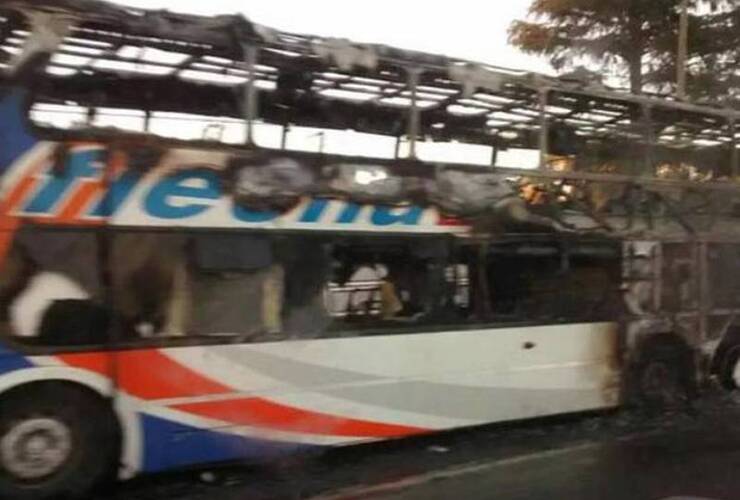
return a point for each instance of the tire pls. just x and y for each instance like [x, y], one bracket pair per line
[663, 377]
[56, 442]
[729, 368]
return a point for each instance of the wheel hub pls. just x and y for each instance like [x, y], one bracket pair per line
[35, 448]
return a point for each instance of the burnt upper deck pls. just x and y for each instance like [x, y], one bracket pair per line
[227, 66]
[124, 57]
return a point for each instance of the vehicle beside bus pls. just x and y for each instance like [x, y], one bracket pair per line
[168, 302]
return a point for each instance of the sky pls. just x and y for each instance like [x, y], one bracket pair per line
[469, 29]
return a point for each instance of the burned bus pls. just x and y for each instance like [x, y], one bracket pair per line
[224, 242]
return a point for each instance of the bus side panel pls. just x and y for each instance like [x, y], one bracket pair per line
[212, 403]
[431, 381]
[152, 386]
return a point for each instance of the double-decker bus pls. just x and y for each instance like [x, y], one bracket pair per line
[224, 242]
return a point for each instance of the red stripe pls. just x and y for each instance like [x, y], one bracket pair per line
[445, 220]
[149, 374]
[9, 223]
[80, 200]
[18, 194]
[96, 362]
[259, 412]
[152, 375]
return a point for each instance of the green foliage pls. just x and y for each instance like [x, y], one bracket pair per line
[637, 40]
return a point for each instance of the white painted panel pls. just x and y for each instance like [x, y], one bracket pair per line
[414, 355]
[452, 378]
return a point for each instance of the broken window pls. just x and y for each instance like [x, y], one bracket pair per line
[380, 284]
[680, 287]
[150, 284]
[237, 285]
[51, 291]
[724, 264]
[204, 284]
[550, 281]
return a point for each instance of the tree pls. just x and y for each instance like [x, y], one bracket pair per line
[717, 75]
[714, 54]
[635, 39]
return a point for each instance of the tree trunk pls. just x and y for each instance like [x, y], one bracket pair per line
[635, 69]
[635, 50]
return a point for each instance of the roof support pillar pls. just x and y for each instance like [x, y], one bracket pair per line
[284, 136]
[414, 112]
[648, 166]
[544, 128]
[251, 103]
[734, 157]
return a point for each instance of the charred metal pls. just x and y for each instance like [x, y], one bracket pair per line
[659, 174]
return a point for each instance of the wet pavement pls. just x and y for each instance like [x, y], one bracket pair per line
[684, 454]
[648, 467]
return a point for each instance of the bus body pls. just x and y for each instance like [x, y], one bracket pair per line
[223, 395]
[204, 302]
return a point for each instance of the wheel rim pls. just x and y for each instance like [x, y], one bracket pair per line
[35, 448]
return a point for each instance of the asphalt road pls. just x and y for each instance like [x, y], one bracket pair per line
[627, 455]
[692, 465]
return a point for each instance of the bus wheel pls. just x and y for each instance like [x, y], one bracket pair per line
[56, 441]
[729, 372]
[663, 377]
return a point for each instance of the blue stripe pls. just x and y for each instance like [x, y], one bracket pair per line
[169, 445]
[11, 361]
[81, 165]
[15, 137]
[116, 194]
